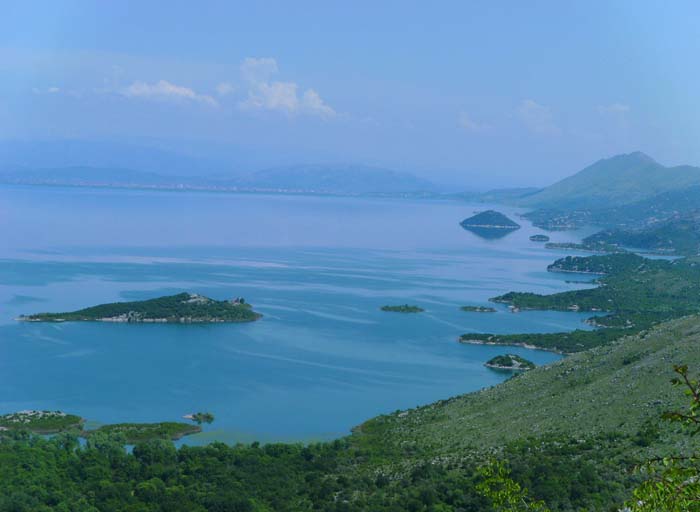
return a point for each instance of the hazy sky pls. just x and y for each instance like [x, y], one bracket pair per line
[495, 93]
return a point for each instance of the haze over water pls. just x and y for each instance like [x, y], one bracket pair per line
[323, 358]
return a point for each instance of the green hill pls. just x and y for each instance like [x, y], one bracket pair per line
[611, 182]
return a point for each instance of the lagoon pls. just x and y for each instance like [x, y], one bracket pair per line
[323, 358]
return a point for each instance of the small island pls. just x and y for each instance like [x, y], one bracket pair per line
[200, 417]
[180, 308]
[405, 308]
[510, 362]
[490, 224]
[539, 238]
[140, 432]
[40, 422]
[478, 309]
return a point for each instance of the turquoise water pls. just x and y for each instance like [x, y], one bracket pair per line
[322, 360]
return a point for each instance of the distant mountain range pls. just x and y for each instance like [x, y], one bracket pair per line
[345, 179]
[323, 179]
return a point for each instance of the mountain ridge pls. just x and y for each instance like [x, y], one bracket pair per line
[621, 179]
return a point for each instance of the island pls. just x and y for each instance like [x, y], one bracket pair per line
[510, 362]
[539, 238]
[490, 224]
[40, 422]
[478, 309]
[405, 308]
[180, 308]
[139, 432]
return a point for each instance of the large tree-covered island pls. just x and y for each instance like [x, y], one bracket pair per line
[180, 308]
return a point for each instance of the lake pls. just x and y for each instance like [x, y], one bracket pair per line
[323, 359]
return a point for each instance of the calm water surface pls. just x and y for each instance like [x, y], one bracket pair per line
[323, 358]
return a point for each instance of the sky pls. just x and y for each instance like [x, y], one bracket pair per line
[480, 93]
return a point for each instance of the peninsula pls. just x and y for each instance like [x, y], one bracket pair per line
[180, 308]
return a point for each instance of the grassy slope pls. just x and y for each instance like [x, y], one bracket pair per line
[615, 388]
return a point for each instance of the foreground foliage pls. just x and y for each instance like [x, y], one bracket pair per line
[673, 483]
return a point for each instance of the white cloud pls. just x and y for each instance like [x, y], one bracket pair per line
[48, 90]
[225, 88]
[613, 108]
[258, 70]
[164, 90]
[264, 94]
[313, 104]
[468, 124]
[280, 96]
[537, 118]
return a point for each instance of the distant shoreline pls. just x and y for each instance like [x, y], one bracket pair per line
[235, 190]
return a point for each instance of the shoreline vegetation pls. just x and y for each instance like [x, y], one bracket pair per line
[490, 219]
[633, 294]
[133, 433]
[403, 308]
[55, 422]
[182, 308]
[41, 422]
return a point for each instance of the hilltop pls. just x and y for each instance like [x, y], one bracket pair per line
[180, 308]
[622, 179]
